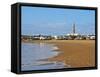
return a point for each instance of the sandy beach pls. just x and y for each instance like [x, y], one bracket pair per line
[76, 53]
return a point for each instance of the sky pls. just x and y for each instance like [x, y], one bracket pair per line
[56, 21]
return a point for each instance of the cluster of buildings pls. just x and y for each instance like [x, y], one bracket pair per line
[71, 36]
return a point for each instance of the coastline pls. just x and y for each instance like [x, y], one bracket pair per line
[76, 53]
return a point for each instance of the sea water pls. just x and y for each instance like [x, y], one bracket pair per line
[34, 56]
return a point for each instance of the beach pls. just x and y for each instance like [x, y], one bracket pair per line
[76, 53]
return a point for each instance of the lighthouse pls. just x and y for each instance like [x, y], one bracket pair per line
[73, 33]
[73, 29]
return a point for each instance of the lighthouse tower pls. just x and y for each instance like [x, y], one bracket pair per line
[73, 34]
[73, 29]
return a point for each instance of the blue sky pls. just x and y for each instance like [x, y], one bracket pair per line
[55, 21]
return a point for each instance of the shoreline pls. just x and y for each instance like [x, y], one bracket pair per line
[76, 53]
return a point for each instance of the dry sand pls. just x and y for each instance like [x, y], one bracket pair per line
[77, 53]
